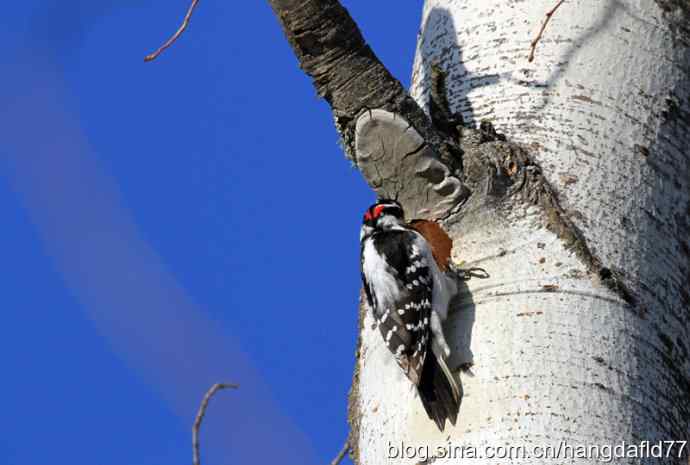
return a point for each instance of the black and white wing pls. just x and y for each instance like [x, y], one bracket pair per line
[398, 285]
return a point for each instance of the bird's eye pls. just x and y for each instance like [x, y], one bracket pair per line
[378, 209]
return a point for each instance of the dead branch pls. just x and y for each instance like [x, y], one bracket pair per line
[178, 33]
[534, 43]
[200, 416]
[341, 454]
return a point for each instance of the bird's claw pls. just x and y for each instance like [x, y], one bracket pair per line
[465, 274]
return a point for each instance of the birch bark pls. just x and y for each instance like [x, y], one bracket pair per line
[581, 334]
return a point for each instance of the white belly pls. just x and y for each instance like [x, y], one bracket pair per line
[380, 276]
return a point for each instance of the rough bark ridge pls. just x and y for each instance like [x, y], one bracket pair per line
[345, 71]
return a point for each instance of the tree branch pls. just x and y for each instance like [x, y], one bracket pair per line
[200, 416]
[178, 33]
[342, 453]
[346, 72]
[534, 43]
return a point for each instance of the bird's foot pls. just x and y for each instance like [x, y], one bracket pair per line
[465, 274]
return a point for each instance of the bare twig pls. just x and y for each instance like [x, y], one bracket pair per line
[200, 416]
[178, 33]
[534, 43]
[341, 454]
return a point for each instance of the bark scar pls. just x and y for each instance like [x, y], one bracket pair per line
[509, 171]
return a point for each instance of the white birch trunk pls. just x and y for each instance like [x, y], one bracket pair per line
[605, 110]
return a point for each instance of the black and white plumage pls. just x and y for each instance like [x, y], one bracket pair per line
[409, 298]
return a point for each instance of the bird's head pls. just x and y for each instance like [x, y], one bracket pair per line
[384, 214]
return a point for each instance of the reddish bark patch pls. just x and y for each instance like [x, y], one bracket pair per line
[441, 243]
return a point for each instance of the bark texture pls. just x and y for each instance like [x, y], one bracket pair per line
[347, 73]
[582, 332]
[581, 216]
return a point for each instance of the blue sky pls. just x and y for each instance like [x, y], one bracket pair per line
[173, 224]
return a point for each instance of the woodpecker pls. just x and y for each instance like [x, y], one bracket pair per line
[408, 296]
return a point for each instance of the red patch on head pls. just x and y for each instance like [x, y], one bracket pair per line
[378, 209]
[367, 216]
